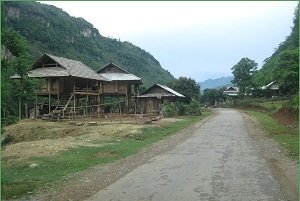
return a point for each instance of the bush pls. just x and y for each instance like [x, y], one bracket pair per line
[293, 104]
[193, 108]
[180, 108]
[170, 110]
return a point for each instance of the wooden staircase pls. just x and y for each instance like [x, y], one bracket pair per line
[64, 108]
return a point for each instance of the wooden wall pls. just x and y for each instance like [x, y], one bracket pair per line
[151, 105]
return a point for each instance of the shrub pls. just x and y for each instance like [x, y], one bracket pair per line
[170, 110]
[193, 108]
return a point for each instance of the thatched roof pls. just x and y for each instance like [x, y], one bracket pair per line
[115, 73]
[158, 90]
[53, 66]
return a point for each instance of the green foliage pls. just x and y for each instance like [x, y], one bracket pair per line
[50, 30]
[170, 110]
[180, 108]
[293, 103]
[210, 96]
[286, 137]
[283, 64]
[193, 108]
[287, 71]
[243, 72]
[187, 87]
[20, 63]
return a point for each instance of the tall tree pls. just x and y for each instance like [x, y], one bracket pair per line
[243, 74]
[15, 60]
[287, 71]
[187, 87]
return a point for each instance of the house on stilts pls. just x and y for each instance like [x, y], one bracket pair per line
[71, 89]
[124, 87]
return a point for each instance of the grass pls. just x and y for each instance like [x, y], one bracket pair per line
[286, 137]
[272, 106]
[20, 180]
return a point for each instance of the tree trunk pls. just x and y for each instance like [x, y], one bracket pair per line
[26, 110]
[20, 109]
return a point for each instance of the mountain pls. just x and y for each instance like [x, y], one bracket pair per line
[216, 83]
[283, 64]
[51, 30]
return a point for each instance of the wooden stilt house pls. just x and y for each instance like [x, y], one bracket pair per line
[153, 98]
[70, 88]
[124, 86]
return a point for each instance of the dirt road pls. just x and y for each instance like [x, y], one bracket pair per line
[221, 161]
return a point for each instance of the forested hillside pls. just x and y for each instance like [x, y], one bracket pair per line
[283, 64]
[51, 30]
[216, 83]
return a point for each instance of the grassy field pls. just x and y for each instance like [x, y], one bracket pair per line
[286, 137]
[272, 106]
[18, 179]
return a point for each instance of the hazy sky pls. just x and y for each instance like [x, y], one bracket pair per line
[198, 39]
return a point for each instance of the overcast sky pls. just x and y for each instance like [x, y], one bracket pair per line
[199, 39]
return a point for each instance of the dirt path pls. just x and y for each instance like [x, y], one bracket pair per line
[207, 160]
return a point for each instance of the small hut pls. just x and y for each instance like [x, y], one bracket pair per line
[124, 86]
[152, 99]
[65, 83]
[272, 88]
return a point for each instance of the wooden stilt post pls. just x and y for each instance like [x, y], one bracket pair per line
[98, 109]
[26, 110]
[20, 109]
[119, 105]
[35, 107]
[74, 102]
[49, 95]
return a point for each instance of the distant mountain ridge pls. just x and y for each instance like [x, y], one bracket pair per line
[51, 30]
[216, 83]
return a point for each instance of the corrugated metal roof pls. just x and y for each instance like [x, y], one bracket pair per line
[171, 90]
[172, 93]
[111, 65]
[157, 95]
[270, 85]
[119, 75]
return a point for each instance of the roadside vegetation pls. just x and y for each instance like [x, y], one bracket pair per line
[278, 118]
[286, 136]
[25, 177]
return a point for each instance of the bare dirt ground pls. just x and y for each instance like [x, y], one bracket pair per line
[84, 184]
[288, 117]
[37, 138]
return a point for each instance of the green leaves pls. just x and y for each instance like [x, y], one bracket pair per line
[243, 72]
[19, 62]
[287, 71]
[187, 87]
[51, 30]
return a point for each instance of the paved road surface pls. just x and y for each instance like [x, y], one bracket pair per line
[219, 162]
